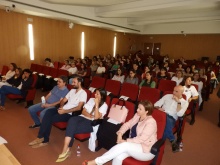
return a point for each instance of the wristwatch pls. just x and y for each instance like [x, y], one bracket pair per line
[179, 103]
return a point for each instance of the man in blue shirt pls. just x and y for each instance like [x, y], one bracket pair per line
[52, 99]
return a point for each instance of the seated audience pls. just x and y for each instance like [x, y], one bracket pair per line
[72, 70]
[162, 74]
[10, 73]
[82, 73]
[93, 67]
[48, 62]
[200, 86]
[178, 78]
[131, 78]
[22, 89]
[119, 76]
[66, 65]
[74, 100]
[146, 69]
[143, 134]
[51, 100]
[148, 82]
[94, 109]
[188, 72]
[100, 70]
[174, 106]
[15, 80]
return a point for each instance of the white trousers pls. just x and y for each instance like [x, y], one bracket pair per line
[123, 150]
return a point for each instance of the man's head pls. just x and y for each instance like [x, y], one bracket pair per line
[77, 81]
[178, 91]
[62, 81]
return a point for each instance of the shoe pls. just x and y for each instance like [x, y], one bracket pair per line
[36, 141]
[39, 145]
[2, 108]
[63, 156]
[192, 122]
[175, 147]
[35, 126]
[85, 162]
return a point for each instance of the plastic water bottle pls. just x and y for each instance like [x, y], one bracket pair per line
[43, 100]
[78, 152]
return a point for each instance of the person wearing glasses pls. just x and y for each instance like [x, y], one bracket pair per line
[119, 76]
[131, 78]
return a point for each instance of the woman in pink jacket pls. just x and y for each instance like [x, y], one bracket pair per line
[143, 134]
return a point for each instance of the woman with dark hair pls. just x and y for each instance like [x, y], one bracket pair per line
[146, 69]
[119, 76]
[188, 72]
[10, 73]
[148, 82]
[189, 90]
[82, 73]
[22, 89]
[162, 74]
[95, 108]
[66, 65]
[131, 78]
[143, 134]
[14, 80]
[48, 62]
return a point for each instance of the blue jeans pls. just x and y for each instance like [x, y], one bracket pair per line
[8, 90]
[36, 108]
[168, 132]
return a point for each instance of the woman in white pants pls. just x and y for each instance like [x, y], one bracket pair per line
[143, 134]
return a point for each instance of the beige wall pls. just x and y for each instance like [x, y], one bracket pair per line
[189, 46]
[54, 39]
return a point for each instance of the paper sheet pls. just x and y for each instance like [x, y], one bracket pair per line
[2, 140]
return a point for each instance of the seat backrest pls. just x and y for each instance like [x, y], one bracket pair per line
[62, 72]
[129, 105]
[46, 70]
[33, 67]
[98, 82]
[34, 76]
[166, 85]
[113, 86]
[129, 90]
[160, 118]
[56, 64]
[53, 72]
[151, 94]
[39, 68]
[4, 70]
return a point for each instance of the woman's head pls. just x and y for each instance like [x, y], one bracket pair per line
[119, 72]
[18, 71]
[27, 73]
[12, 66]
[145, 108]
[83, 66]
[188, 70]
[148, 76]
[196, 76]
[132, 73]
[66, 62]
[146, 69]
[186, 81]
[101, 94]
[163, 70]
[179, 74]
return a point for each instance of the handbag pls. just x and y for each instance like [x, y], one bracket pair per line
[118, 112]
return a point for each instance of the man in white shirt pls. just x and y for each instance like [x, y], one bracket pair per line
[75, 100]
[174, 106]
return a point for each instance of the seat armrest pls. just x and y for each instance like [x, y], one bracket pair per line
[156, 147]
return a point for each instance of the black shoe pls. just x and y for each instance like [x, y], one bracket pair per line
[20, 101]
[175, 147]
[192, 122]
[35, 126]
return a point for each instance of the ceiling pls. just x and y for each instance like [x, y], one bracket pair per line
[130, 14]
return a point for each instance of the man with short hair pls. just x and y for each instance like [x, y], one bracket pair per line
[74, 100]
[174, 105]
[52, 99]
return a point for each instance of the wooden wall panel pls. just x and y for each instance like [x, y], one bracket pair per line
[189, 46]
[53, 39]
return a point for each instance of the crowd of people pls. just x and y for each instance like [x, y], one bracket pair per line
[60, 102]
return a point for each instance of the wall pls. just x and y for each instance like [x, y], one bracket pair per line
[53, 39]
[191, 46]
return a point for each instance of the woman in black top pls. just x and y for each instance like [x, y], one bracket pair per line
[22, 89]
